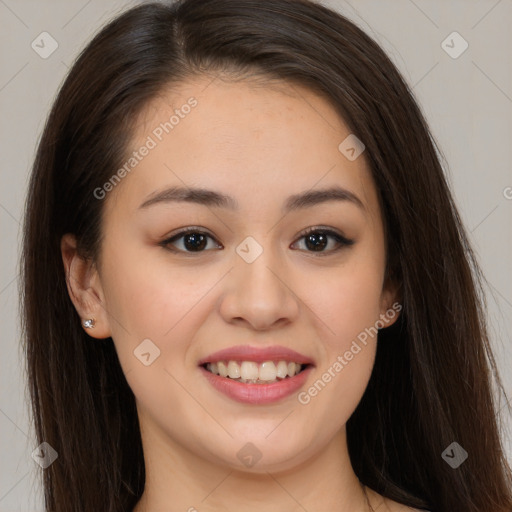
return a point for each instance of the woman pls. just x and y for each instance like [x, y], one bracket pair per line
[246, 285]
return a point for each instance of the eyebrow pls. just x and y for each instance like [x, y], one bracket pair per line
[212, 198]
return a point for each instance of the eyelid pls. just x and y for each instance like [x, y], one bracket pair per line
[183, 231]
[328, 231]
[190, 229]
[342, 240]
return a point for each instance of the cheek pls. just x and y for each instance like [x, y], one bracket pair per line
[350, 301]
[351, 349]
[166, 306]
[347, 311]
[348, 341]
[152, 301]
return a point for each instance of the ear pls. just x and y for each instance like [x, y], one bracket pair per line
[84, 288]
[391, 299]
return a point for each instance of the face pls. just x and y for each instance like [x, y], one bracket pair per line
[263, 275]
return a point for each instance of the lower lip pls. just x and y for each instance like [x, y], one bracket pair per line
[257, 393]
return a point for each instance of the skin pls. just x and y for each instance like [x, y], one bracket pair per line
[259, 144]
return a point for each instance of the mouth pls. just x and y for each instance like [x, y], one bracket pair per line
[254, 382]
[253, 372]
[256, 375]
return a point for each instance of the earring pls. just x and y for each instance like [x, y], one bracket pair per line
[89, 323]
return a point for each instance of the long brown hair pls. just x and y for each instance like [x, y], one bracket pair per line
[432, 380]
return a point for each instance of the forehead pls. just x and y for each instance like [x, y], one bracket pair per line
[273, 139]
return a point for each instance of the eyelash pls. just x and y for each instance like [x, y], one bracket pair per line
[340, 239]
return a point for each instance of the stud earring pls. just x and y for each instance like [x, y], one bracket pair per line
[89, 323]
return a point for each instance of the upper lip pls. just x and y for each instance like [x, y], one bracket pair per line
[256, 354]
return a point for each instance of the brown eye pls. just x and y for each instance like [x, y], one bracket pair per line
[192, 241]
[317, 239]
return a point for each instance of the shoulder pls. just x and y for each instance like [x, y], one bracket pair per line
[382, 504]
[393, 506]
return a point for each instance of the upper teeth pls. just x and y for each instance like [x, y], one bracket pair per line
[249, 370]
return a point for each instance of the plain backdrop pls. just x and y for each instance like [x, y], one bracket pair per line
[466, 98]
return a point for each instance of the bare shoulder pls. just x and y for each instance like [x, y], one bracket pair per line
[394, 506]
[398, 507]
[381, 504]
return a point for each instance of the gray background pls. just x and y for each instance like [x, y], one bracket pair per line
[467, 101]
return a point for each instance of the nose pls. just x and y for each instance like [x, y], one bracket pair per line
[259, 294]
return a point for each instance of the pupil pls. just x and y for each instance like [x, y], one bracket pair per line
[322, 241]
[195, 241]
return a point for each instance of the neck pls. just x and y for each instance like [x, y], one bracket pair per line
[177, 479]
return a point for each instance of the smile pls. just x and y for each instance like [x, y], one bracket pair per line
[257, 391]
[250, 372]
